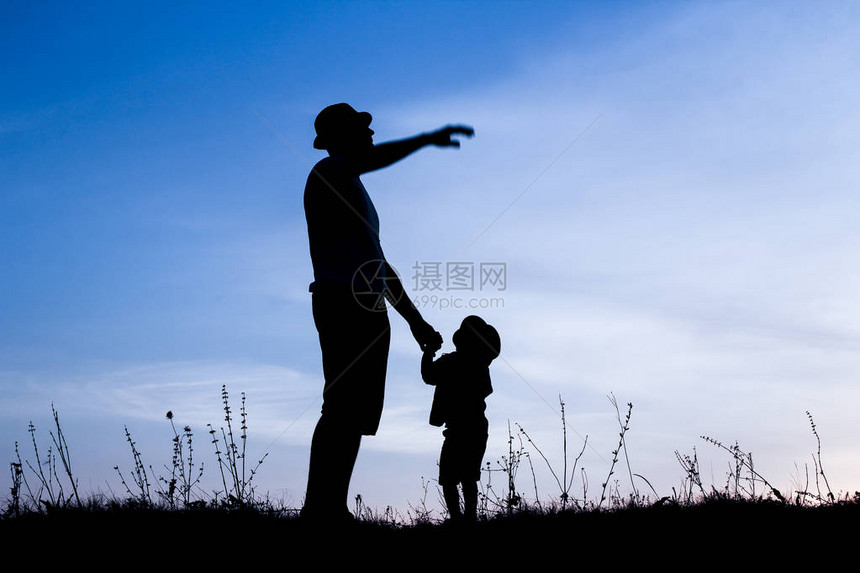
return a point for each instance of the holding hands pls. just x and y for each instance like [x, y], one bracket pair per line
[427, 338]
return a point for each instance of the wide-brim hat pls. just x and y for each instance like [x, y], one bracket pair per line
[484, 337]
[335, 120]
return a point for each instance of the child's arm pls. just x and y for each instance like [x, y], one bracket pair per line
[428, 370]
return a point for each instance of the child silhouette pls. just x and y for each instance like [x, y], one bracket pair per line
[462, 381]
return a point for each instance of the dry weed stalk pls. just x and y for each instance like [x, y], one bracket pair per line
[50, 493]
[565, 482]
[625, 425]
[819, 467]
[231, 461]
[744, 460]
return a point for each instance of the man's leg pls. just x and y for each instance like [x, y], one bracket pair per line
[354, 344]
[334, 450]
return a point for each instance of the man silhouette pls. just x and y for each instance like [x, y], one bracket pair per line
[352, 279]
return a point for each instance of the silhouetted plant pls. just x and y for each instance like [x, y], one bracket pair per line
[238, 490]
[62, 448]
[388, 517]
[184, 476]
[47, 483]
[692, 477]
[565, 482]
[564, 478]
[50, 493]
[509, 466]
[625, 425]
[18, 503]
[139, 476]
[491, 502]
[743, 460]
[421, 513]
[803, 495]
[13, 508]
[819, 467]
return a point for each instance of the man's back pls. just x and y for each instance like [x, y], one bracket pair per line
[343, 226]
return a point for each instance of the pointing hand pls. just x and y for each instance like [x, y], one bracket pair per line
[442, 137]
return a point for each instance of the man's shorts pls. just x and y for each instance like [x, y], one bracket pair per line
[354, 342]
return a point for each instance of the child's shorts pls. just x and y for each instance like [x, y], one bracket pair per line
[461, 457]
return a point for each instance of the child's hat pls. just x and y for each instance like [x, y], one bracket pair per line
[485, 339]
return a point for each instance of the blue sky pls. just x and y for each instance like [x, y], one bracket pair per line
[671, 186]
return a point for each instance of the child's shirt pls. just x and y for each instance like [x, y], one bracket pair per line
[462, 385]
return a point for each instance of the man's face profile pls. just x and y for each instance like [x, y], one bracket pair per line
[355, 138]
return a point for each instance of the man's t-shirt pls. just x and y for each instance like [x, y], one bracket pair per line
[343, 227]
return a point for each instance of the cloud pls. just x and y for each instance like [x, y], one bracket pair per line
[281, 402]
[693, 251]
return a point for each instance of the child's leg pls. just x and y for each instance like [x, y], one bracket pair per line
[470, 500]
[452, 500]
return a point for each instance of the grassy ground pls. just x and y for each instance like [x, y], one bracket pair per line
[166, 520]
[723, 533]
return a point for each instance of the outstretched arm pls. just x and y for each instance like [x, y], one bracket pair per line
[385, 154]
